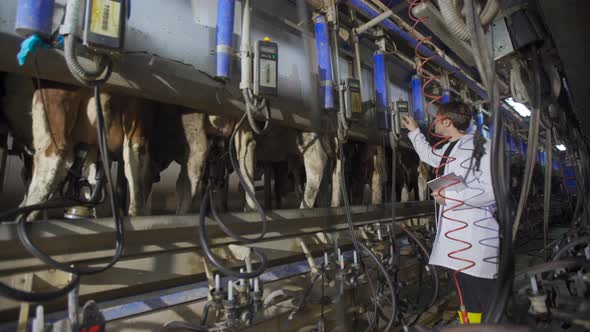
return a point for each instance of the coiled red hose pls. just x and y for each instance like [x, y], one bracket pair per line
[431, 100]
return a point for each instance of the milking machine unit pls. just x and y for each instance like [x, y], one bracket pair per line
[401, 108]
[98, 25]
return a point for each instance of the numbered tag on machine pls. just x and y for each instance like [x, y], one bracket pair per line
[266, 70]
[353, 102]
[105, 24]
[401, 108]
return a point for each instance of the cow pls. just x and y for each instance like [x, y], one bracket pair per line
[64, 116]
[193, 130]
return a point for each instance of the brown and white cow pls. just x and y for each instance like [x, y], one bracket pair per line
[64, 116]
[192, 129]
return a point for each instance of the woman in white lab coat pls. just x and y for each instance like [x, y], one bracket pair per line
[467, 239]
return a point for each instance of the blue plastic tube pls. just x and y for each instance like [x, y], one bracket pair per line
[381, 100]
[542, 158]
[324, 61]
[446, 96]
[34, 17]
[512, 143]
[417, 99]
[479, 120]
[224, 37]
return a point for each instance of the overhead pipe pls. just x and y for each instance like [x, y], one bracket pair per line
[418, 99]
[324, 61]
[224, 37]
[459, 73]
[371, 13]
[373, 22]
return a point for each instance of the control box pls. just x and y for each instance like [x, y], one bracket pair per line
[352, 98]
[401, 108]
[266, 68]
[104, 25]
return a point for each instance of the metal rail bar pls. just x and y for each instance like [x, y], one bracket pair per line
[163, 251]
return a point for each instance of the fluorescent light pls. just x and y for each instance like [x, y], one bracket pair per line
[518, 107]
[560, 147]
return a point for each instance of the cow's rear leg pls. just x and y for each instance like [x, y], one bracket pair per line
[48, 173]
[378, 177]
[191, 173]
[314, 160]
[136, 124]
[49, 163]
[245, 148]
[337, 183]
[422, 182]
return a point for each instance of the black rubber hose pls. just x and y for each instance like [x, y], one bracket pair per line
[176, 325]
[228, 230]
[354, 239]
[503, 288]
[389, 282]
[205, 314]
[563, 251]
[247, 189]
[23, 296]
[436, 282]
[212, 258]
[119, 223]
[265, 106]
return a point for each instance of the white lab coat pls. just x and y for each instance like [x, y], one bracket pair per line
[478, 212]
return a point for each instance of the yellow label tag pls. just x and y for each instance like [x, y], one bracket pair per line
[357, 103]
[106, 18]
